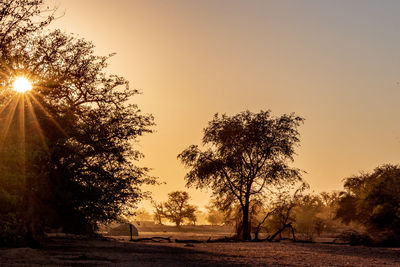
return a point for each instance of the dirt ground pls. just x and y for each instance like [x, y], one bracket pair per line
[112, 252]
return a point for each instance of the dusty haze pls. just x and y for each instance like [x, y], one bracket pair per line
[336, 64]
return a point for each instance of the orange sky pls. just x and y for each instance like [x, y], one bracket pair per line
[336, 63]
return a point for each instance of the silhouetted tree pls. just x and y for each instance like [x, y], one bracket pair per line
[373, 200]
[214, 215]
[158, 212]
[80, 125]
[244, 156]
[282, 208]
[177, 208]
[142, 215]
[306, 215]
[200, 217]
[19, 18]
[330, 201]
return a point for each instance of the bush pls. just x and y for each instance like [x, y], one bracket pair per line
[373, 200]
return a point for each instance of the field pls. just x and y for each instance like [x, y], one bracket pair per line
[67, 251]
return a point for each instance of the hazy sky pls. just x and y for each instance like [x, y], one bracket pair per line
[336, 63]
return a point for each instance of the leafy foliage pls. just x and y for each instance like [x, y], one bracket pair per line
[158, 212]
[94, 145]
[214, 215]
[244, 156]
[78, 127]
[177, 208]
[373, 200]
[306, 213]
[18, 18]
[142, 215]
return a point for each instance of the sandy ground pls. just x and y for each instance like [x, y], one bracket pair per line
[113, 252]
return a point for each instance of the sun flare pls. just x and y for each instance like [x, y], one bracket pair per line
[22, 85]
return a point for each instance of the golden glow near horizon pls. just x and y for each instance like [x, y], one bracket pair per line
[22, 85]
[334, 63]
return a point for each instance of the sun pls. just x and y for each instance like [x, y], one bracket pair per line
[22, 85]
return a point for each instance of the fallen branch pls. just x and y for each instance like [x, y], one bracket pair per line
[157, 239]
[222, 240]
[280, 231]
[188, 241]
[258, 228]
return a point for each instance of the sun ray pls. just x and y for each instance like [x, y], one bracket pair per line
[8, 121]
[22, 136]
[37, 124]
[49, 115]
[5, 74]
[6, 105]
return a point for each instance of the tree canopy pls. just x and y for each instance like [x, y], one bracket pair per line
[373, 200]
[78, 127]
[244, 156]
[18, 18]
[176, 209]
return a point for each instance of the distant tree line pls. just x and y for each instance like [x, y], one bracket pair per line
[366, 212]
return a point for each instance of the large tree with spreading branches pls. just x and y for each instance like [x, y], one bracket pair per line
[72, 135]
[244, 156]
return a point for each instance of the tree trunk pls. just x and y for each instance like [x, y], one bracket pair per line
[130, 231]
[258, 229]
[279, 231]
[256, 234]
[246, 225]
[31, 233]
[293, 234]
